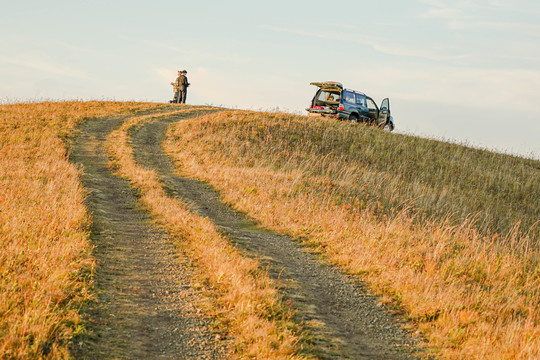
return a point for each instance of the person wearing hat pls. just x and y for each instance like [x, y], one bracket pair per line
[182, 87]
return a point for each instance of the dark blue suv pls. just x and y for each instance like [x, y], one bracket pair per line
[331, 99]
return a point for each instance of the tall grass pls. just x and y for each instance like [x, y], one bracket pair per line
[45, 255]
[247, 300]
[443, 231]
[432, 177]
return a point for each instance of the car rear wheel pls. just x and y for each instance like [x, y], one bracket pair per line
[353, 118]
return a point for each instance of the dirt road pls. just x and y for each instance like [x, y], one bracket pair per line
[147, 306]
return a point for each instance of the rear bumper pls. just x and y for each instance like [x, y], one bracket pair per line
[321, 112]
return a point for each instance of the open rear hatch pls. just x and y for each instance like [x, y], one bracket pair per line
[327, 98]
[328, 85]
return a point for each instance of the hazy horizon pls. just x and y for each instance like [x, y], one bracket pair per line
[466, 71]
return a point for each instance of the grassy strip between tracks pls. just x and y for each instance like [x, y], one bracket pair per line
[45, 254]
[247, 300]
[473, 296]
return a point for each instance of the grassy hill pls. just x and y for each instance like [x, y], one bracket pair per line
[445, 232]
[496, 193]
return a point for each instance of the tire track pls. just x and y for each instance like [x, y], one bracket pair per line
[146, 304]
[342, 319]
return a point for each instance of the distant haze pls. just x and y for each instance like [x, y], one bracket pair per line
[466, 71]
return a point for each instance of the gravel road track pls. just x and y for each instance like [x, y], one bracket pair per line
[343, 320]
[146, 306]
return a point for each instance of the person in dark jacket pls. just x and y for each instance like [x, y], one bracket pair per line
[182, 83]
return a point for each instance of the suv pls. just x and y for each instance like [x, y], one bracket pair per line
[331, 99]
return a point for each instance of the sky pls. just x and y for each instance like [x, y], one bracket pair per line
[463, 71]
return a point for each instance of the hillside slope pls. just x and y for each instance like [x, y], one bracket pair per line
[447, 235]
[433, 179]
[445, 232]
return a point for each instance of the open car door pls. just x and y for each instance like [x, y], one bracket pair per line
[384, 112]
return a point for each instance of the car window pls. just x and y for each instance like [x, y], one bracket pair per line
[371, 104]
[348, 97]
[323, 95]
[385, 105]
[360, 100]
[334, 97]
[328, 96]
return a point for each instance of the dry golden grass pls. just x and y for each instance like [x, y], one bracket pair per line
[247, 300]
[45, 256]
[472, 296]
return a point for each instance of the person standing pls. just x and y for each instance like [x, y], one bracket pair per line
[176, 88]
[182, 87]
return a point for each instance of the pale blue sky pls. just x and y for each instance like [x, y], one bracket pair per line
[468, 71]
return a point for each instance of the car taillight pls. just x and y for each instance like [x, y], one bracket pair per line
[316, 107]
[341, 107]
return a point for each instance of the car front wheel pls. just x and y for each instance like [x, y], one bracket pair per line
[388, 127]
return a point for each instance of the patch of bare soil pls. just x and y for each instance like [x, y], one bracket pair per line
[146, 306]
[343, 321]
